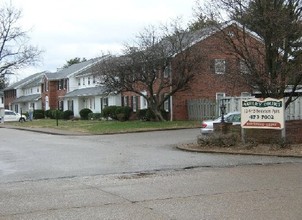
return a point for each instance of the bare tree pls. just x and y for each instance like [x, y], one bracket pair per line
[159, 63]
[15, 50]
[273, 56]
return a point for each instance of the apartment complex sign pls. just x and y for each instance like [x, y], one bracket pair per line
[262, 113]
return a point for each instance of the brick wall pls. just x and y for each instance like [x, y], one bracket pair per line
[293, 133]
[206, 82]
[9, 97]
[53, 94]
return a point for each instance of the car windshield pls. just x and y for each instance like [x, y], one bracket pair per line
[234, 118]
[230, 117]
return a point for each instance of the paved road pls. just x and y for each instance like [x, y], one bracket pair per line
[244, 192]
[33, 156]
[140, 176]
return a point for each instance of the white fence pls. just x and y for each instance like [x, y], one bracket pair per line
[294, 110]
[207, 109]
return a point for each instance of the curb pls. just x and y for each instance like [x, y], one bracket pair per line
[45, 131]
[71, 133]
[236, 153]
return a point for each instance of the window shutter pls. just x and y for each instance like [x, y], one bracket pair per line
[131, 102]
[136, 99]
[123, 104]
[212, 66]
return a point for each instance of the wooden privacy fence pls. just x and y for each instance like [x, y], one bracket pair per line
[204, 109]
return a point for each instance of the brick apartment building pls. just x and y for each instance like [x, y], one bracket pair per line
[219, 74]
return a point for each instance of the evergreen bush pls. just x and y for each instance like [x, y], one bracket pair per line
[94, 116]
[68, 114]
[84, 113]
[39, 114]
[109, 112]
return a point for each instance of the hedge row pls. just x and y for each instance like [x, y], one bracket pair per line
[148, 115]
[57, 114]
[121, 113]
[117, 112]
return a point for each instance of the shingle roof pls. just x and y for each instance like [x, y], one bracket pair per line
[92, 91]
[73, 69]
[35, 82]
[28, 98]
[26, 81]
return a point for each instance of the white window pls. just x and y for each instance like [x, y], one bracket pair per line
[220, 95]
[167, 71]
[245, 94]
[60, 84]
[104, 103]
[126, 101]
[134, 102]
[79, 81]
[243, 67]
[88, 80]
[167, 104]
[143, 101]
[220, 66]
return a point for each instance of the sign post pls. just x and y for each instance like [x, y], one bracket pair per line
[263, 114]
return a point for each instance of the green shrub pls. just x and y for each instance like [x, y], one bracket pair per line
[109, 112]
[38, 114]
[48, 113]
[146, 115]
[57, 114]
[95, 116]
[123, 113]
[53, 114]
[68, 114]
[84, 113]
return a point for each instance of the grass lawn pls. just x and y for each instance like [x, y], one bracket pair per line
[106, 127]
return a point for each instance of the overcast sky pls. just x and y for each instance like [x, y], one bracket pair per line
[66, 29]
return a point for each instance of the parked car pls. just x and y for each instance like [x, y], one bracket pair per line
[10, 115]
[207, 126]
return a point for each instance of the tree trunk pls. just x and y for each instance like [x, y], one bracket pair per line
[158, 115]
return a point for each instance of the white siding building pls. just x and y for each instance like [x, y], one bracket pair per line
[84, 90]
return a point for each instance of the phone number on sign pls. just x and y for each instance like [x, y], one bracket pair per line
[253, 117]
